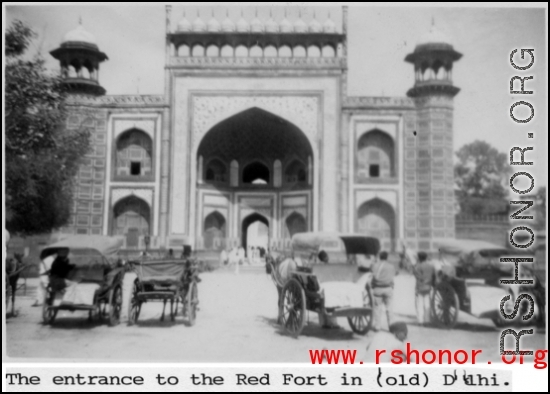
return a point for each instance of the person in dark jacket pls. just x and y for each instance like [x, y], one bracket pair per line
[60, 270]
[424, 272]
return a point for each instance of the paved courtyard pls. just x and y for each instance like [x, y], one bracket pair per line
[236, 323]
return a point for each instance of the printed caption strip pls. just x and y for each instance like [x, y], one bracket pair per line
[361, 379]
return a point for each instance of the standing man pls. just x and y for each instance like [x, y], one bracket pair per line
[424, 272]
[382, 290]
[44, 270]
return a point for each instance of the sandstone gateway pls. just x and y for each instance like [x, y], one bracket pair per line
[255, 136]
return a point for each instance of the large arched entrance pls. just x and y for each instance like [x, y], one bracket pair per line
[254, 161]
[376, 218]
[255, 232]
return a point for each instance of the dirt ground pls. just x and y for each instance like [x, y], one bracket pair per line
[236, 324]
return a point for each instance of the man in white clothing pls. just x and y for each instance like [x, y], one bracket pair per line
[44, 268]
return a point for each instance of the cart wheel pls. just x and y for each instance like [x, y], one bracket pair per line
[49, 313]
[293, 307]
[115, 306]
[134, 307]
[362, 324]
[134, 311]
[192, 300]
[445, 305]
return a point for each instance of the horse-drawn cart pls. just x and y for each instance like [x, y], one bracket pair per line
[93, 284]
[166, 281]
[327, 274]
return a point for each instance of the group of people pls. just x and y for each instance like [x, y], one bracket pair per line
[383, 289]
[238, 256]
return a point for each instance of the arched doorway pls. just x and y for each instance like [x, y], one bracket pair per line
[375, 156]
[295, 223]
[132, 218]
[256, 173]
[255, 232]
[134, 156]
[214, 231]
[256, 147]
[376, 218]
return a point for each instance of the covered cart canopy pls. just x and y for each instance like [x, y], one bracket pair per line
[85, 244]
[160, 271]
[88, 254]
[347, 243]
[476, 259]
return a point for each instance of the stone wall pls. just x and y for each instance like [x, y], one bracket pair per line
[89, 190]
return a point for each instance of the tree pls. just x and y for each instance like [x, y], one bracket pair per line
[481, 175]
[42, 159]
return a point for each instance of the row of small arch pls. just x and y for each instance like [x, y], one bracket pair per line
[430, 74]
[82, 72]
[216, 170]
[255, 51]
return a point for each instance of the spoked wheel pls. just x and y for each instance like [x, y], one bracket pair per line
[190, 303]
[445, 305]
[362, 324]
[115, 306]
[293, 306]
[134, 306]
[49, 313]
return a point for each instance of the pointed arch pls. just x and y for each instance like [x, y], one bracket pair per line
[215, 171]
[131, 218]
[375, 156]
[263, 230]
[296, 172]
[134, 154]
[295, 223]
[256, 172]
[377, 218]
[214, 228]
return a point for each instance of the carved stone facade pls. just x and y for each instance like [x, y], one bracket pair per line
[210, 110]
[266, 133]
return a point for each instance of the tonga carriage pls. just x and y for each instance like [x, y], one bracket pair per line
[327, 274]
[461, 261]
[95, 283]
[164, 280]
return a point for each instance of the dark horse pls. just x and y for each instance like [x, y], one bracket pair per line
[14, 267]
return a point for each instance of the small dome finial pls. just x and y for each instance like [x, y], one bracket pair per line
[300, 26]
[329, 26]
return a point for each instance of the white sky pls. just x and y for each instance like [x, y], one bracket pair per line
[379, 39]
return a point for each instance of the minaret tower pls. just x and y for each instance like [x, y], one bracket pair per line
[433, 93]
[79, 58]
